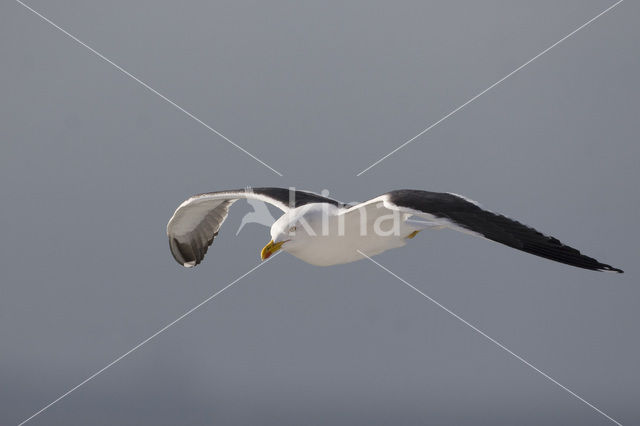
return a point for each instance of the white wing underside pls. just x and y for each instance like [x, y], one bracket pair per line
[197, 220]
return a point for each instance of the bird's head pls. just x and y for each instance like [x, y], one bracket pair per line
[293, 229]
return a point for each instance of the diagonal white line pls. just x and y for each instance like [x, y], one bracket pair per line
[492, 340]
[146, 86]
[144, 342]
[491, 87]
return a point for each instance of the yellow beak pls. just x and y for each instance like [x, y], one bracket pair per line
[270, 248]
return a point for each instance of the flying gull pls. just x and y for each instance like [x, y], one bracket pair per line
[323, 231]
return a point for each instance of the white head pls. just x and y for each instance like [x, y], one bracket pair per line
[295, 228]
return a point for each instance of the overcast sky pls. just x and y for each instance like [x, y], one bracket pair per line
[92, 165]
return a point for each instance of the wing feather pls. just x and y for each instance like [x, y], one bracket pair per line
[461, 213]
[197, 221]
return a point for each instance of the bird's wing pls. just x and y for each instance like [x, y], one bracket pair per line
[459, 213]
[198, 219]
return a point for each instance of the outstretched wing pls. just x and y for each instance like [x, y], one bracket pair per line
[460, 213]
[197, 221]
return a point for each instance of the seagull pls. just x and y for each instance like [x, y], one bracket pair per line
[322, 231]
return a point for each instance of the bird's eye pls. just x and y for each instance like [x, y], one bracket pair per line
[292, 229]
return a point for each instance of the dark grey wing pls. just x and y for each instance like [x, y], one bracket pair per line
[294, 198]
[466, 214]
[197, 221]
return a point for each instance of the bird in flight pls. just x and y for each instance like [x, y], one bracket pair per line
[322, 231]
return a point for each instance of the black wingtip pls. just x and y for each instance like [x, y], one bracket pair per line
[607, 268]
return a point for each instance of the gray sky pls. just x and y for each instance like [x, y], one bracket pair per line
[92, 165]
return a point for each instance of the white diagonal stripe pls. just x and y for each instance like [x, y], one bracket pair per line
[142, 343]
[492, 340]
[146, 86]
[491, 87]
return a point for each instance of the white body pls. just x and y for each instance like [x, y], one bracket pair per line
[326, 235]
